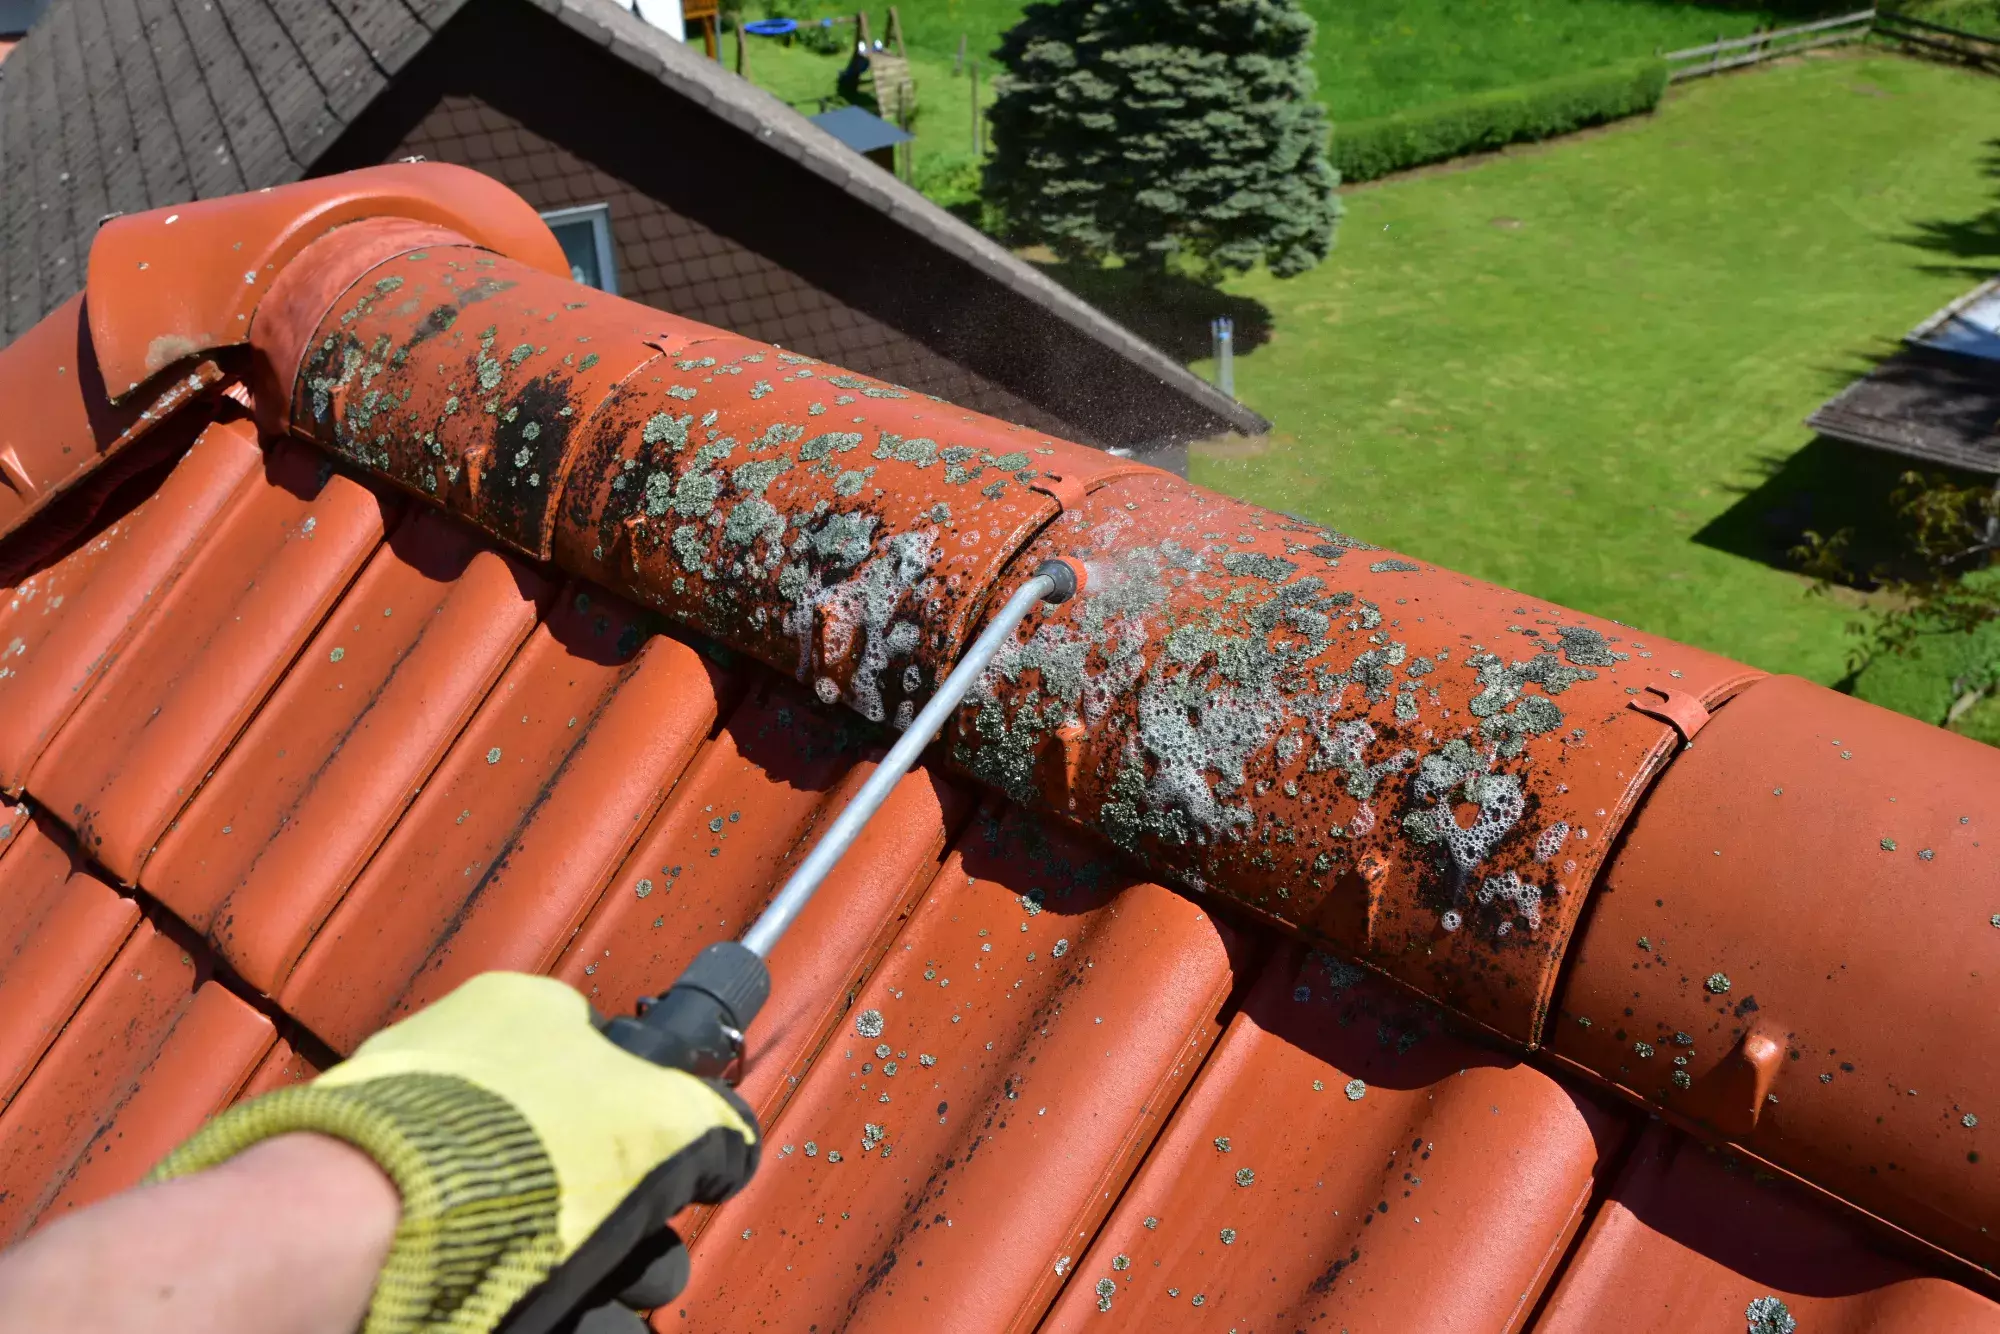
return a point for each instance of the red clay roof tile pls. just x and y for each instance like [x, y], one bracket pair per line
[1688, 1241]
[154, 1040]
[205, 654]
[361, 809]
[59, 928]
[261, 856]
[1336, 1166]
[1816, 1021]
[62, 626]
[999, 1078]
[515, 835]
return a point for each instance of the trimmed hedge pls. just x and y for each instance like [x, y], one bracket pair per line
[1365, 149]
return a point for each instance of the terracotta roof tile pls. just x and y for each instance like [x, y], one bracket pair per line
[517, 766]
[1762, 1014]
[517, 831]
[59, 928]
[999, 1077]
[317, 780]
[1335, 1166]
[205, 653]
[1688, 1241]
[154, 1049]
[63, 626]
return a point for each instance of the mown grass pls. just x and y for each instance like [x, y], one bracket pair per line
[1378, 56]
[1580, 369]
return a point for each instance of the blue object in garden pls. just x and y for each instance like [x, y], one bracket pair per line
[771, 27]
[861, 130]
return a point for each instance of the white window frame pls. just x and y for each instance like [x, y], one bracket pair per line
[599, 218]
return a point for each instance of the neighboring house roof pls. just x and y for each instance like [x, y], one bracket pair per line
[860, 129]
[1938, 400]
[123, 105]
[1286, 934]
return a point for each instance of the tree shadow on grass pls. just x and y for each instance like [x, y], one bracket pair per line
[1169, 311]
[1970, 245]
[1825, 486]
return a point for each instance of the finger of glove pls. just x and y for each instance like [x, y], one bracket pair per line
[660, 1281]
[709, 1170]
[611, 1318]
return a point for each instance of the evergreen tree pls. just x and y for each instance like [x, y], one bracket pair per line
[1146, 129]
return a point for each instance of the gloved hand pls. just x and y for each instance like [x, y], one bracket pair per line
[535, 1160]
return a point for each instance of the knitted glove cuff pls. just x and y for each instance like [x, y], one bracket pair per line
[479, 1191]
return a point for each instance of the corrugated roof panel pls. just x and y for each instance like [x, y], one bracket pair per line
[1338, 1165]
[72, 1106]
[135, 751]
[523, 824]
[1003, 1071]
[59, 928]
[1689, 1240]
[63, 626]
[265, 851]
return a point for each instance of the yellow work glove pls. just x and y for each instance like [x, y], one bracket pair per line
[538, 1163]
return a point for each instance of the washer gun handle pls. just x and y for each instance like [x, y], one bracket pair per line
[698, 1025]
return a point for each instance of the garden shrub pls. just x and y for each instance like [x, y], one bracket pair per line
[1363, 150]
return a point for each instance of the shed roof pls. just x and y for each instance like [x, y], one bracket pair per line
[860, 129]
[1937, 400]
[1166, 989]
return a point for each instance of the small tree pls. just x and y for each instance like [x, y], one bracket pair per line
[1945, 585]
[1150, 129]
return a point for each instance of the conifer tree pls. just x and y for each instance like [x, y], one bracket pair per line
[1150, 129]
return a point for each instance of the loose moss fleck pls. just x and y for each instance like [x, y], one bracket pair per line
[1888, 845]
[493, 755]
[1228, 1235]
[1719, 982]
[1356, 1090]
[337, 654]
[1246, 1176]
[869, 1023]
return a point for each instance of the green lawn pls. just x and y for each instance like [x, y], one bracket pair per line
[1580, 369]
[1373, 56]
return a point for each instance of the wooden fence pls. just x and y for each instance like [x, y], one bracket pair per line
[1934, 39]
[1738, 51]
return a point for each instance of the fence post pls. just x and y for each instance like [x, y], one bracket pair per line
[742, 51]
[958, 65]
[1223, 330]
[1715, 57]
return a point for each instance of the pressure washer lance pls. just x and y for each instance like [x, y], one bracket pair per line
[698, 1025]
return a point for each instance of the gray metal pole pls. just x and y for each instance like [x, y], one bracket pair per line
[765, 933]
[1224, 331]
